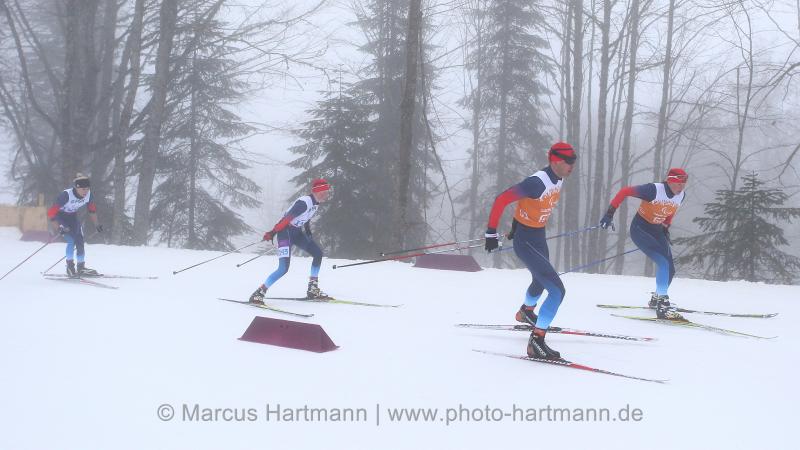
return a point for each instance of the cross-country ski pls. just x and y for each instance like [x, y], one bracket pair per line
[689, 324]
[81, 280]
[331, 300]
[558, 330]
[693, 311]
[267, 307]
[103, 275]
[569, 364]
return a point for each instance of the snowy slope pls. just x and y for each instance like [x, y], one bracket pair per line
[87, 368]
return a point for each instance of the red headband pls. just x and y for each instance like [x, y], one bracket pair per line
[677, 175]
[320, 185]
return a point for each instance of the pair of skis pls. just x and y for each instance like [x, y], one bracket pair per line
[88, 279]
[100, 275]
[308, 300]
[694, 311]
[80, 280]
[573, 365]
[689, 324]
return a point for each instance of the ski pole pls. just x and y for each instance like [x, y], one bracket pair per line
[593, 263]
[175, 272]
[253, 258]
[397, 258]
[480, 239]
[54, 264]
[569, 233]
[52, 238]
[396, 252]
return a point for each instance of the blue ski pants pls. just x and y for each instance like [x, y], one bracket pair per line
[74, 238]
[287, 238]
[650, 239]
[530, 245]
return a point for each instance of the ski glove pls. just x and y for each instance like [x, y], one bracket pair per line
[491, 240]
[63, 229]
[608, 219]
[666, 234]
[99, 228]
[269, 235]
[307, 229]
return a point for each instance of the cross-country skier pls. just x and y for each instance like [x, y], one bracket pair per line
[650, 230]
[64, 214]
[293, 229]
[537, 195]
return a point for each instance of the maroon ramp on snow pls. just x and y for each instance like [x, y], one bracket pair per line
[286, 333]
[463, 263]
[36, 235]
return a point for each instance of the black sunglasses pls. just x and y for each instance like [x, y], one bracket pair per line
[569, 159]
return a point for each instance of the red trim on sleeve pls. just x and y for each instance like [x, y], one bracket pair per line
[283, 223]
[53, 211]
[91, 207]
[508, 196]
[624, 192]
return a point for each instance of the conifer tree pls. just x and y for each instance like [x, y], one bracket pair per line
[740, 238]
[201, 183]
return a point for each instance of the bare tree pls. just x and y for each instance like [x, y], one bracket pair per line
[572, 200]
[627, 129]
[598, 241]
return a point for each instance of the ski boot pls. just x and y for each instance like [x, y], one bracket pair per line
[84, 271]
[257, 298]
[537, 348]
[653, 301]
[314, 291]
[665, 311]
[71, 272]
[526, 315]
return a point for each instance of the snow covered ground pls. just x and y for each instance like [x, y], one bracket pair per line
[89, 368]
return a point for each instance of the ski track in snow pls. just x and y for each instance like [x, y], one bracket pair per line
[92, 366]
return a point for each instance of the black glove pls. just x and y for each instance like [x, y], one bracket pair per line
[491, 240]
[666, 234]
[510, 235]
[63, 229]
[608, 219]
[99, 228]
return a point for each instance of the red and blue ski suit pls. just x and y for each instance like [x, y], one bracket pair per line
[65, 211]
[537, 196]
[293, 229]
[650, 226]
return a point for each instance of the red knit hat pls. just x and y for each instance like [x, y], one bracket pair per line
[562, 151]
[320, 185]
[677, 175]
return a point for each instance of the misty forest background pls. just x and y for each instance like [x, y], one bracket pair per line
[420, 113]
